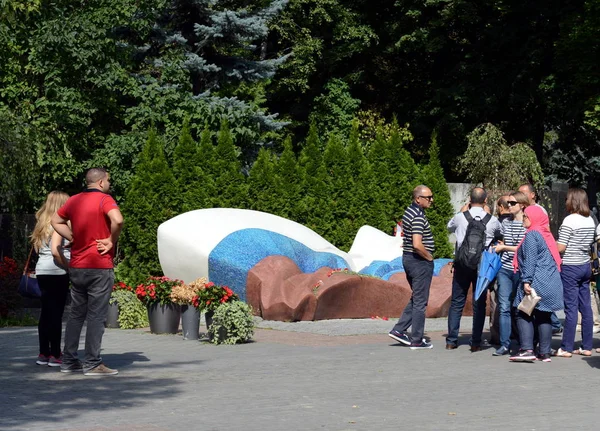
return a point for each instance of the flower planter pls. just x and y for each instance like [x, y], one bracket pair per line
[190, 322]
[112, 319]
[164, 319]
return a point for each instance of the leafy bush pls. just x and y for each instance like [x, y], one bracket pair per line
[18, 320]
[10, 301]
[232, 323]
[132, 313]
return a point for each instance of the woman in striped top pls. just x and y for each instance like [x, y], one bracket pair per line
[508, 280]
[575, 236]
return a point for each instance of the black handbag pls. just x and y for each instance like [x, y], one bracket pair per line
[28, 286]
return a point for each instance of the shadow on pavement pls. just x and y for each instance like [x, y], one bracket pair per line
[32, 393]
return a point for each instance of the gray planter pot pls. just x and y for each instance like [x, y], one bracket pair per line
[190, 322]
[112, 319]
[164, 319]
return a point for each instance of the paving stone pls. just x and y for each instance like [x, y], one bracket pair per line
[292, 380]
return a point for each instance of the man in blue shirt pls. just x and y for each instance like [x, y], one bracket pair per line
[417, 258]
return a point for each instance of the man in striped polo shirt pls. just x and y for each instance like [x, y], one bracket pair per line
[417, 259]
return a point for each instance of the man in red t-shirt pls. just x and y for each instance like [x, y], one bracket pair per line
[92, 222]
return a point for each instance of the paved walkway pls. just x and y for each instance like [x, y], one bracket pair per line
[294, 378]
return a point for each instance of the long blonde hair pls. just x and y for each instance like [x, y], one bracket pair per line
[43, 230]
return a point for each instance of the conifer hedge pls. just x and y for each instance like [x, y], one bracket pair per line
[333, 192]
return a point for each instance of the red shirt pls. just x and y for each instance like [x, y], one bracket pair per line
[87, 212]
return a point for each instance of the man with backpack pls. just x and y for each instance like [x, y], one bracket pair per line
[475, 230]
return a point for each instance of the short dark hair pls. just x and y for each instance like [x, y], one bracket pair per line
[478, 195]
[531, 189]
[502, 202]
[94, 175]
[577, 202]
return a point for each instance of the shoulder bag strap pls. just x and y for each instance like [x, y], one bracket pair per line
[26, 268]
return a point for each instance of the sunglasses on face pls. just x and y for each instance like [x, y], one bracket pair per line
[427, 197]
[511, 203]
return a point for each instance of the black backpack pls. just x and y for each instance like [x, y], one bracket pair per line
[469, 252]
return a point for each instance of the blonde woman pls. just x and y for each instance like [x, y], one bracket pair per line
[53, 279]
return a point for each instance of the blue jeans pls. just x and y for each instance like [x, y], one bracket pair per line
[555, 322]
[461, 282]
[90, 293]
[507, 282]
[576, 291]
[419, 273]
[527, 330]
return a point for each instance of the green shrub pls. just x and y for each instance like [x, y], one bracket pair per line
[18, 320]
[132, 313]
[150, 201]
[232, 323]
[441, 210]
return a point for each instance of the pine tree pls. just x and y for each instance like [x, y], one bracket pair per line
[379, 160]
[441, 211]
[229, 182]
[188, 173]
[200, 53]
[288, 182]
[310, 156]
[261, 183]
[362, 207]
[314, 210]
[403, 173]
[335, 161]
[149, 202]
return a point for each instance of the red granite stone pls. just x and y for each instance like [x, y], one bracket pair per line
[278, 290]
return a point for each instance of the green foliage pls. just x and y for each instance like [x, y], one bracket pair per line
[149, 202]
[441, 211]
[334, 109]
[232, 323]
[229, 183]
[403, 172]
[20, 177]
[341, 185]
[132, 313]
[18, 320]
[313, 208]
[288, 182]
[192, 188]
[501, 168]
[261, 183]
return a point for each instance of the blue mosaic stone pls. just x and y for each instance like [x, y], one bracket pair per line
[385, 270]
[230, 261]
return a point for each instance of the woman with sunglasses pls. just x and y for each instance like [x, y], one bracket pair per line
[575, 237]
[508, 280]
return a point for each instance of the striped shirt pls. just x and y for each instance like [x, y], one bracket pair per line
[513, 232]
[414, 222]
[577, 233]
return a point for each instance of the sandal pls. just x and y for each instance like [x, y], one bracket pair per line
[563, 353]
[583, 352]
[598, 350]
